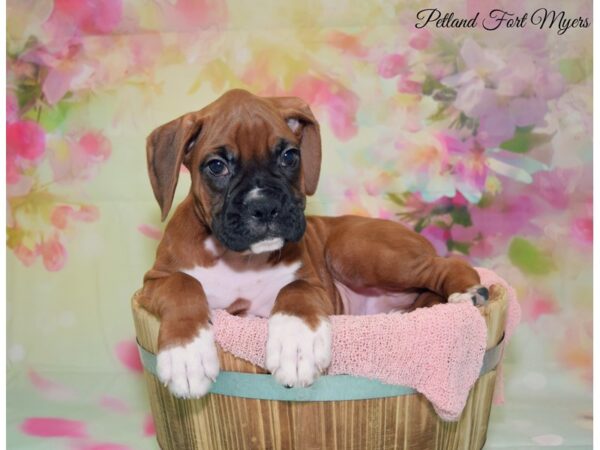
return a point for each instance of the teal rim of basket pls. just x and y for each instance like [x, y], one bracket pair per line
[325, 388]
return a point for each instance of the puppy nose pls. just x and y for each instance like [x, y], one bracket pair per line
[263, 209]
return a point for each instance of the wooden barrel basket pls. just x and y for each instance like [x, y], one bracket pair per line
[404, 421]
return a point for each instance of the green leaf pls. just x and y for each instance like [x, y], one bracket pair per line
[574, 69]
[52, 118]
[27, 94]
[439, 114]
[398, 199]
[462, 247]
[524, 140]
[421, 224]
[461, 216]
[430, 84]
[528, 258]
[441, 224]
[441, 210]
[486, 200]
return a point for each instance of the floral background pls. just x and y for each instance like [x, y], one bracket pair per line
[480, 140]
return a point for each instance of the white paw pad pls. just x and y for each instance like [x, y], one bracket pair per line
[296, 354]
[476, 295]
[189, 370]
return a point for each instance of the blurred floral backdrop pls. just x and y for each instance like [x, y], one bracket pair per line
[481, 140]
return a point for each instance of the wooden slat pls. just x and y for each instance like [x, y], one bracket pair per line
[218, 422]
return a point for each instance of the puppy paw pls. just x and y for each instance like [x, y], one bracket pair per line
[297, 354]
[189, 370]
[477, 295]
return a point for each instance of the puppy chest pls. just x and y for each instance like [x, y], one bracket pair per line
[225, 283]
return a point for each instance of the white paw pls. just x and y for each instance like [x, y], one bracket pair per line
[189, 370]
[476, 295]
[296, 354]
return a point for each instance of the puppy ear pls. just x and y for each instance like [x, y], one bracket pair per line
[166, 149]
[302, 122]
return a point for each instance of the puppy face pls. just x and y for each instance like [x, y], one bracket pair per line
[252, 161]
[248, 179]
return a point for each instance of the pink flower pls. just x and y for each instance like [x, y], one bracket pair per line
[351, 195]
[48, 388]
[347, 43]
[519, 96]
[63, 60]
[471, 173]
[582, 229]
[13, 174]
[95, 146]
[420, 39]
[87, 213]
[76, 445]
[189, 15]
[415, 203]
[114, 404]
[25, 147]
[59, 80]
[342, 112]
[527, 77]
[80, 157]
[54, 254]
[128, 354]
[408, 86]
[150, 231]
[391, 65]
[549, 84]
[470, 83]
[26, 255]
[86, 16]
[459, 200]
[26, 140]
[506, 216]
[384, 213]
[480, 246]
[53, 427]
[495, 127]
[468, 165]
[12, 107]
[340, 103]
[499, 117]
[438, 237]
[536, 306]
[553, 187]
[60, 215]
[148, 427]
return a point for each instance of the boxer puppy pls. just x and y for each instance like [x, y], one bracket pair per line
[240, 240]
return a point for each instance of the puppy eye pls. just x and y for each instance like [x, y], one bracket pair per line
[217, 167]
[290, 158]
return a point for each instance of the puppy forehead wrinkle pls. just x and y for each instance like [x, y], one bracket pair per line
[255, 131]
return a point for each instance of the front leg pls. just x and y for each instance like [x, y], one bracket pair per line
[299, 340]
[187, 361]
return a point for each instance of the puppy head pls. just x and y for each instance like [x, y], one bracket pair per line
[252, 161]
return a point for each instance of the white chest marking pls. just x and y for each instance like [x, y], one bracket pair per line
[224, 283]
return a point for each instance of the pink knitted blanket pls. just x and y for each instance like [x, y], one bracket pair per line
[438, 351]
